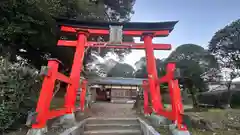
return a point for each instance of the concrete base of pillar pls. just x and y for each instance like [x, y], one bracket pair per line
[157, 120]
[147, 115]
[122, 101]
[79, 114]
[176, 131]
[38, 131]
[68, 119]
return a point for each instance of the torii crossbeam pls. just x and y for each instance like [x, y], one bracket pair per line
[82, 30]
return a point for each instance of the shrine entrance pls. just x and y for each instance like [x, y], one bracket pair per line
[114, 89]
[116, 30]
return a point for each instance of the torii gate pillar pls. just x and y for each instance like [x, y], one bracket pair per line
[152, 73]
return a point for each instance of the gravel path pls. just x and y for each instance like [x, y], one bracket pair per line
[104, 109]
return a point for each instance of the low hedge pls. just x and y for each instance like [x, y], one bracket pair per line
[235, 100]
[219, 98]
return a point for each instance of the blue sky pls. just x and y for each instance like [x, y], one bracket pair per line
[198, 21]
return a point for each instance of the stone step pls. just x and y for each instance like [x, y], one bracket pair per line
[95, 127]
[127, 121]
[113, 132]
[125, 101]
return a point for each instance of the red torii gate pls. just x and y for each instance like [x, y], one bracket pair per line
[83, 30]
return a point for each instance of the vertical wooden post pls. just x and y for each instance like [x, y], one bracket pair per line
[175, 95]
[146, 107]
[152, 73]
[83, 95]
[170, 72]
[70, 97]
[46, 94]
[179, 106]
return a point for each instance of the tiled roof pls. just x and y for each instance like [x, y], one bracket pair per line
[147, 26]
[116, 81]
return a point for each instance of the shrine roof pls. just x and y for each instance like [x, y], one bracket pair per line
[116, 81]
[134, 26]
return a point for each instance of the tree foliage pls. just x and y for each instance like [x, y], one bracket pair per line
[28, 28]
[225, 45]
[196, 53]
[19, 88]
[28, 34]
[121, 70]
[142, 71]
[193, 61]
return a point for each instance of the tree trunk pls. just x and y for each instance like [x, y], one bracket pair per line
[138, 104]
[135, 105]
[194, 99]
[229, 97]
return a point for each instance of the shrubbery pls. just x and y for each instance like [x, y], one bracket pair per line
[235, 100]
[19, 88]
[220, 98]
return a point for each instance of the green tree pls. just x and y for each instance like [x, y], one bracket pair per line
[28, 28]
[190, 78]
[121, 70]
[225, 46]
[19, 88]
[193, 61]
[28, 35]
[195, 53]
[142, 71]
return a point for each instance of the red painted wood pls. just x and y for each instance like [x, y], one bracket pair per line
[152, 74]
[147, 109]
[63, 78]
[73, 81]
[75, 73]
[46, 95]
[69, 43]
[124, 45]
[106, 32]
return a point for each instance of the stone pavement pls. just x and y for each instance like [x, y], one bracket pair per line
[105, 109]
